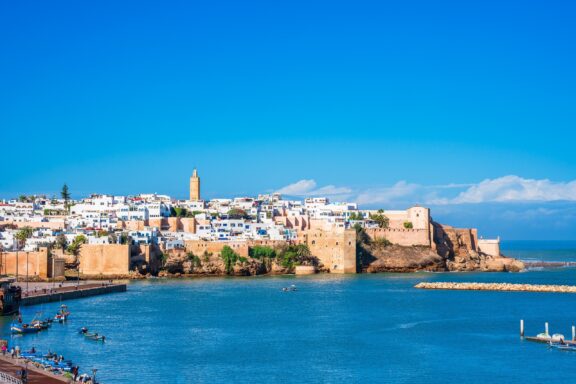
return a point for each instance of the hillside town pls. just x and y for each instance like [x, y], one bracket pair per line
[108, 235]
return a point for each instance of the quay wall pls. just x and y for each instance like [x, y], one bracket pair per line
[68, 295]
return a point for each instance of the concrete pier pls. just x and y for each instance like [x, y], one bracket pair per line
[498, 287]
[10, 366]
[48, 295]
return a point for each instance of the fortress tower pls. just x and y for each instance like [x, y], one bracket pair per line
[194, 186]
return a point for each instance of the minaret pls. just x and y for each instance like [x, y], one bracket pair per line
[194, 186]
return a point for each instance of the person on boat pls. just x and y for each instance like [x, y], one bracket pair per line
[84, 330]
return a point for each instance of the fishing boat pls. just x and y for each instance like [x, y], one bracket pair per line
[18, 328]
[62, 314]
[92, 336]
[95, 337]
[42, 324]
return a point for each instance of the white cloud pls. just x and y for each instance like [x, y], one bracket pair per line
[308, 188]
[400, 190]
[513, 188]
[299, 188]
[506, 189]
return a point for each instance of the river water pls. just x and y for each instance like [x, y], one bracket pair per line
[360, 328]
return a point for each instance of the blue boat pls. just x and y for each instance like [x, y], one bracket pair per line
[17, 328]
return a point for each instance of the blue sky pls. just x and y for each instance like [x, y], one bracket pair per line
[385, 103]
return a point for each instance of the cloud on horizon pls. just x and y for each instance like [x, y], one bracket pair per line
[506, 189]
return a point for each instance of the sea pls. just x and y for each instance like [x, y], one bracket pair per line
[368, 328]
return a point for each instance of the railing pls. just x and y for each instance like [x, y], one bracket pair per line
[7, 379]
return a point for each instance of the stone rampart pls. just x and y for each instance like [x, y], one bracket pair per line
[25, 263]
[401, 236]
[199, 247]
[105, 259]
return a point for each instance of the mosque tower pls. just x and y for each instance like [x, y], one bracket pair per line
[194, 186]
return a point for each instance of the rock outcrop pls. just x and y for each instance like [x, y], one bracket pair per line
[453, 251]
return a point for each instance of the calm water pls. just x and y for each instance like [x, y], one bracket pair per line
[365, 328]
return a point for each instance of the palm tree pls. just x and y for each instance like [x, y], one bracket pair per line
[22, 235]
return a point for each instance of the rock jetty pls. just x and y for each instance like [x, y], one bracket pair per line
[498, 287]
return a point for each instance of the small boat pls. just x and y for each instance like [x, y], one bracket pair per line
[94, 336]
[62, 314]
[563, 346]
[40, 324]
[17, 328]
[291, 288]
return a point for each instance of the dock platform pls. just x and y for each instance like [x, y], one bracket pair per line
[48, 295]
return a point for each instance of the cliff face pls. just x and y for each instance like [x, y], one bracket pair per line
[454, 251]
[178, 263]
[395, 258]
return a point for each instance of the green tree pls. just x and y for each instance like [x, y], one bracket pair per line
[65, 193]
[356, 216]
[229, 257]
[61, 242]
[262, 252]
[101, 233]
[382, 220]
[292, 255]
[194, 260]
[408, 225]
[76, 246]
[124, 238]
[22, 235]
[237, 213]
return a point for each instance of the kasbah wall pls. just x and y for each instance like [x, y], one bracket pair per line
[335, 249]
[104, 259]
[172, 224]
[31, 263]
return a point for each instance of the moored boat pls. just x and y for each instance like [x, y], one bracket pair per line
[62, 314]
[10, 296]
[563, 346]
[18, 328]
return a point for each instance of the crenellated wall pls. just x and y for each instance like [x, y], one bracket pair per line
[199, 247]
[402, 236]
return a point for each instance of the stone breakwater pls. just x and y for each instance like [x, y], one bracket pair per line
[498, 287]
